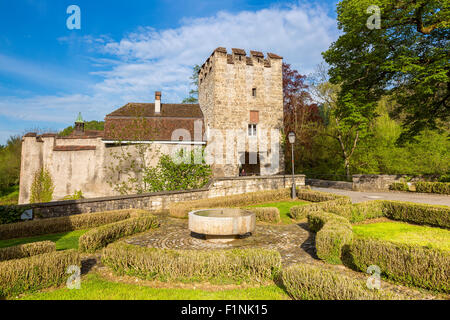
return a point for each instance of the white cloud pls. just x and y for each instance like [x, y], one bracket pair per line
[148, 60]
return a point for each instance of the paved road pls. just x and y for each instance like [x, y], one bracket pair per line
[357, 196]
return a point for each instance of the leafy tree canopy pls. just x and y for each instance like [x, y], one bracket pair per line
[406, 58]
[193, 94]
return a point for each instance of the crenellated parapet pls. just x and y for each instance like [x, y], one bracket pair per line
[238, 56]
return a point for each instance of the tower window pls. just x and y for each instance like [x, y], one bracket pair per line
[254, 92]
[252, 130]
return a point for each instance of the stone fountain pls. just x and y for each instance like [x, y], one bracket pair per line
[222, 224]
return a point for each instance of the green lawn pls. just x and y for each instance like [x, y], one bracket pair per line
[401, 232]
[94, 287]
[64, 241]
[284, 207]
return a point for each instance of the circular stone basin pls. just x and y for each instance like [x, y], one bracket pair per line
[222, 224]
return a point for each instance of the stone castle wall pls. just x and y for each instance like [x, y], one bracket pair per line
[76, 164]
[161, 200]
[226, 83]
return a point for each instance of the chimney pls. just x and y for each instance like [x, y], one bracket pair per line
[157, 102]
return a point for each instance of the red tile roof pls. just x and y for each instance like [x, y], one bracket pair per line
[138, 122]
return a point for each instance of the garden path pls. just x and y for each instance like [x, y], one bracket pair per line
[358, 196]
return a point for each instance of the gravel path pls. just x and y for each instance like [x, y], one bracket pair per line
[358, 196]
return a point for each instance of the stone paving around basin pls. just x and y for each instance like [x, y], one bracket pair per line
[294, 242]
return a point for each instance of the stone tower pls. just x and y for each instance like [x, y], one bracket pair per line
[243, 94]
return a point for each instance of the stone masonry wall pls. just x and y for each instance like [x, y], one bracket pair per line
[226, 83]
[161, 200]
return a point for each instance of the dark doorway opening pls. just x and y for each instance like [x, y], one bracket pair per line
[247, 168]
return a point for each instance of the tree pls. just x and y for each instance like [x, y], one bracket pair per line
[10, 155]
[300, 113]
[184, 174]
[348, 116]
[406, 58]
[193, 94]
[130, 160]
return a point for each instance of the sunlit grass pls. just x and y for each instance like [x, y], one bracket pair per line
[93, 287]
[10, 196]
[63, 241]
[284, 207]
[401, 232]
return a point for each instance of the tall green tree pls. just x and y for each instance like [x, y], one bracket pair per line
[406, 58]
[193, 94]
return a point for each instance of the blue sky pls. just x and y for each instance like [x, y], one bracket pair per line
[126, 50]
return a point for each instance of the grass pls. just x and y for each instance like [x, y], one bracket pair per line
[401, 232]
[10, 196]
[93, 287]
[284, 207]
[63, 241]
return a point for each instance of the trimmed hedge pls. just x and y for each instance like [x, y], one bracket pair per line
[300, 212]
[26, 250]
[331, 239]
[407, 264]
[358, 211]
[100, 237]
[181, 209]
[433, 187]
[333, 232]
[36, 272]
[309, 282]
[63, 224]
[419, 213]
[237, 265]
[266, 214]
[317, 196]
[399, 186]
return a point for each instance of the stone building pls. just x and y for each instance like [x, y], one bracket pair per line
[238, 120]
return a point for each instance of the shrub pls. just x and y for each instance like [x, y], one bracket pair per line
[77, 195]
[358, 211]
[63, 224]
[11, 213]
[331, 239]
[26, 250]
[36, 272]
[100, 237]
[42, 186]
[419, 213]
[433, 187]
[237, 265]
[266, 214]
[309, 282]
[300, 212]
[333, 232]
[181, 209]
[407, 264]
[399, 186]
[316, 220]
[317, 196]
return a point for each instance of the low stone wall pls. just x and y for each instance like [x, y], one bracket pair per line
[378, 182]
[161, 200]
[329, 184]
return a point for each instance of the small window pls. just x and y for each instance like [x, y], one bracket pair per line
[254, 92]
[252, 130]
